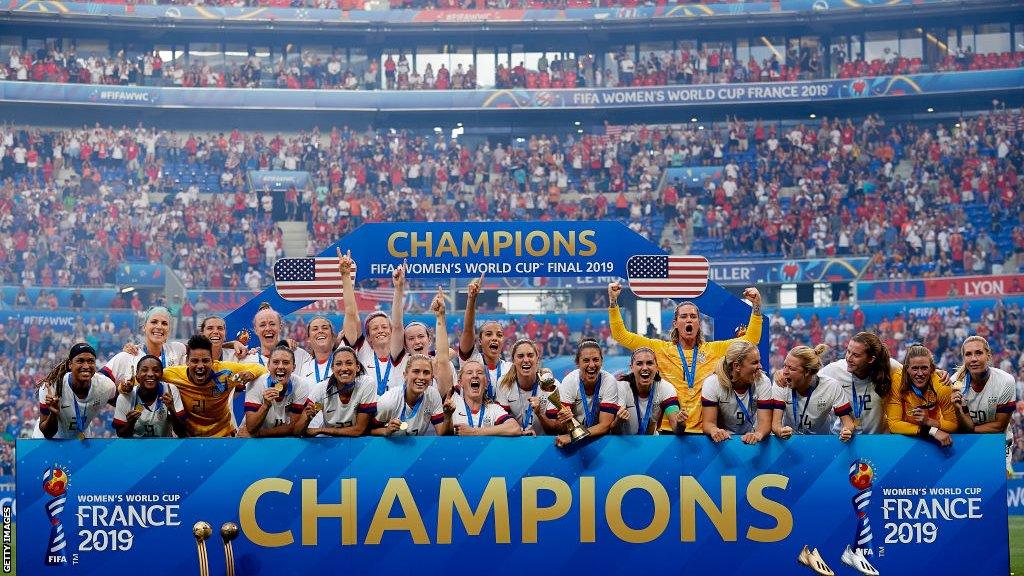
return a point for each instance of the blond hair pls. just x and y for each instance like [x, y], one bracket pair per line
[961, 371]
[810, 358]
[734, 354]
[509, 379]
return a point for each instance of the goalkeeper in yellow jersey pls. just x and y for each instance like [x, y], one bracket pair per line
[687, 359]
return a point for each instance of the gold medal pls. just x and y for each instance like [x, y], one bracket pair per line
[403, 426]
[81, 435]
[317, 407]
[279, 387]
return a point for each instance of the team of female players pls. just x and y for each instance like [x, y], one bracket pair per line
[379, 377]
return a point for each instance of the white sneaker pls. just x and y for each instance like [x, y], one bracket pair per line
[813, 560]
[855, 559]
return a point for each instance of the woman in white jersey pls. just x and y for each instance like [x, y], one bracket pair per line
[156, 327]
[519, 392]
[378, 339]
[318, 368]
[866, 375]
[275, 400]
[415, 407]
[342, 405]
[588, 393]
[804, 402]
[473, 413]
[984, 396]
[644, 398]
[153, 408]
[72, 395]
[737, 398]
[484, 345]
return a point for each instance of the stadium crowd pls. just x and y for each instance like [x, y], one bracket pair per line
[951, 191]
[310, 70]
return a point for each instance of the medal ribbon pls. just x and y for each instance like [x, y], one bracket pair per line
[749, 408]
[219, 384]
[689, 371]
[528, 417]
[587, 415]
[796, 400]
[857, 408]
[79, 419]
[645, 420]
[487, 374]
[382, 381]
[415, 407]
[469, 415]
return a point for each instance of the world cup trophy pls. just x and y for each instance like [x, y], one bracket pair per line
[55, 483]
[577, 431]
[862, 477]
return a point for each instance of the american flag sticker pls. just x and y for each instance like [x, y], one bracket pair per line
[308, 278]
[668, 276]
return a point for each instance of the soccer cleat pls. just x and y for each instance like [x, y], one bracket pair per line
[855, 559]
[812, 560]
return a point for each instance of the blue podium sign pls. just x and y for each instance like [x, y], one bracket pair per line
[117, 506]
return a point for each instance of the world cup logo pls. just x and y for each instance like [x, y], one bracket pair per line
[861, 477]
[55, 483]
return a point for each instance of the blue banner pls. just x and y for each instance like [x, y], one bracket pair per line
[278, 180]
[501, 99]
[141, 275]
[446, 250]
[776, 271]
[65, 320]
[306, 505]
[318, 16]
[875, 312]
[1015, 496]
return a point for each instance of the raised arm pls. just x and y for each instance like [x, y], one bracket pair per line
[621, 335]
[468, 340]
[442, 355]
[351, 329]
[397, 311]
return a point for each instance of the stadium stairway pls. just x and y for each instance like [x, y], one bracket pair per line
[294, 238]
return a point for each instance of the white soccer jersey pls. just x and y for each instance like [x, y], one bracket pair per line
[101, 390]
[813, 412]
[493, 374]
[383, 370]
[737, 413]
[154, 422]
[424, 416]
[661, 397]
[868, 407]
[314, 371]
[490, 414]
[397, 379]
[123, 364]
[516, 402]
[606, 398]
[998, 396]
[338, 414]
[280, 411]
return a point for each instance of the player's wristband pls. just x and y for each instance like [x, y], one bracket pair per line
[932, 431]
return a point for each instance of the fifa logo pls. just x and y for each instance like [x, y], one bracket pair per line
[862, 477]
[55, 483]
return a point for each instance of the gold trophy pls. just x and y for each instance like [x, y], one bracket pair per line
[577, 431]
[201, 530]
[228, 532]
